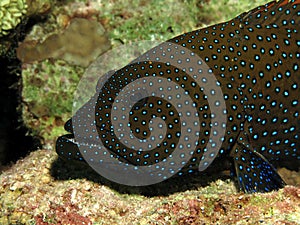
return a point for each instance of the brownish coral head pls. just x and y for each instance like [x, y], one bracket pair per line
[79, 44]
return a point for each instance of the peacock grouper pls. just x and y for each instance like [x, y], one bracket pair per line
[230, 90]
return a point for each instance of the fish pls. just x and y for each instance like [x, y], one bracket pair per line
[253, 61]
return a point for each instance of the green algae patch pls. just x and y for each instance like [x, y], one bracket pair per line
[147, 20]
[224, 10]
[48, 88]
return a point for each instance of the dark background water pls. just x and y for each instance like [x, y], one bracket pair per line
[14, 139]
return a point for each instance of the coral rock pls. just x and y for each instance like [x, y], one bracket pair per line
[11, 14]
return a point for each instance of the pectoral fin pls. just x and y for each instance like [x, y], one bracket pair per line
[254, 172]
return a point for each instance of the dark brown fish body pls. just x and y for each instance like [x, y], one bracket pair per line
[255, 61]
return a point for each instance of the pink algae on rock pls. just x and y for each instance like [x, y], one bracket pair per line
[80, 44]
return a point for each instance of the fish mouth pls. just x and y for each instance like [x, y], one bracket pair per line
[67, 147]
[71, 141]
